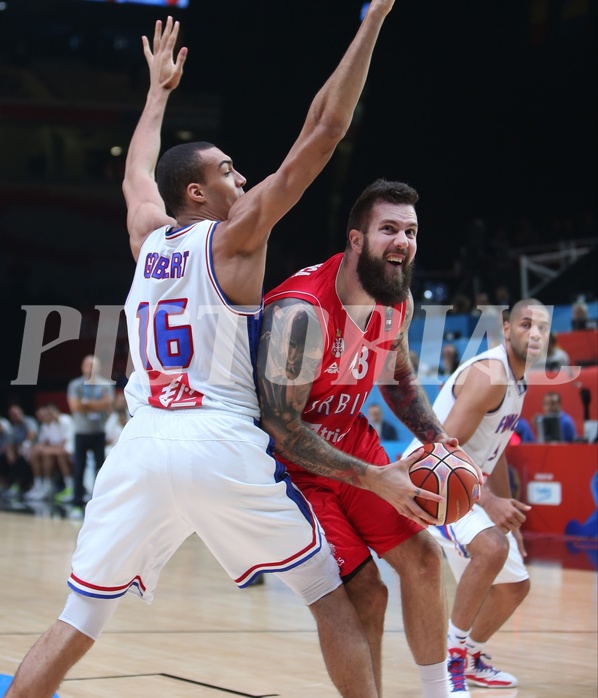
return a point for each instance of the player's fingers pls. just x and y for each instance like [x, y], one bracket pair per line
[449, 440]
[520, 543]
[168, 28]
[172, 34]
[521, 506]
[518, 518]
[412, 457]
[146, 48]
[425, 494]
[157, 34]
[181, 58]
[421, 516]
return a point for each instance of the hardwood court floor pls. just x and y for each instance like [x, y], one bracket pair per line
[203, 637]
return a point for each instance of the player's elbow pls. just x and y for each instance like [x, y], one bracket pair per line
[328, 131]
[334, 128]
[275, 429]
[272, 427]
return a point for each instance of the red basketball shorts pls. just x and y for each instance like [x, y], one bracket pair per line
[355, 520]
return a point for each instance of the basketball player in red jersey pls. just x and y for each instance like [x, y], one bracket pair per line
[329, 333]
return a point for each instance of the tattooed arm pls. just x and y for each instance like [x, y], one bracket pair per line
[404, 394]
[289, 359]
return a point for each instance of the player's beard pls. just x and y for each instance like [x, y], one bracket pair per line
[373, 275]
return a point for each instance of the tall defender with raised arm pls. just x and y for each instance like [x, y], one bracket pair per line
[192, 459]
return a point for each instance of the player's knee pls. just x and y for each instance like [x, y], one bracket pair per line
[430, 554]
[419, 557]
[368, 594]
[491, 546]
[521, 590]
[314, 578]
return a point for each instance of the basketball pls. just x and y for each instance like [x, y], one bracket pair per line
[449, 472]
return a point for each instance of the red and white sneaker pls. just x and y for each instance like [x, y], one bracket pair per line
[457, 661]
[480, 672]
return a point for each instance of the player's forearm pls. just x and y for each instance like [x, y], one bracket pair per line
[305, 448]
[409, 402]
[498, 480]
[100, 405]
[144, 148]
[335, 103]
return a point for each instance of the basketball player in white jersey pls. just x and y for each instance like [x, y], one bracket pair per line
[480, 404]
[192, 459]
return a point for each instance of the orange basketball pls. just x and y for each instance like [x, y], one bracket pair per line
[449, 472]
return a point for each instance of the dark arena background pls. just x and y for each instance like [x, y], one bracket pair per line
[487, 108]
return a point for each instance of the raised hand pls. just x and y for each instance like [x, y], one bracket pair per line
[384, 5]
[165, 72]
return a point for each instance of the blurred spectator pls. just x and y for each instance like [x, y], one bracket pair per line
[579, 315]
[524, 431]
[5, 440]
[556, 356]
[493, 318]
[90, 399]
[502, 295]
[53, 450]
[116, 421]
[553, 414]
[24, 435]
[385, 430]
[449, 360]
[461, 304]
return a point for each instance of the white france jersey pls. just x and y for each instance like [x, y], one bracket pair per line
[189, 346]
[496, 428]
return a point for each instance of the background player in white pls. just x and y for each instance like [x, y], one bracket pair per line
[192, 434]
[480, 404]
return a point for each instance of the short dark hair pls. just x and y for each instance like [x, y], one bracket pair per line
[177, 168]
[519, 307]
[379, 190]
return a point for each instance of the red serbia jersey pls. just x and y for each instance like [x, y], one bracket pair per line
[352, 359]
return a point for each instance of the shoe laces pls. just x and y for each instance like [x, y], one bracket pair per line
[456, 669]
[480, 664]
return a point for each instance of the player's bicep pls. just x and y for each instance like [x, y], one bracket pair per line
[289, 358]
[480, 391]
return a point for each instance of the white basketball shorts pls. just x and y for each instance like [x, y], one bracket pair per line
[174, 473]
[455, 538]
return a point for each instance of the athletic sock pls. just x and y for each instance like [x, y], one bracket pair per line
[434, 678]
[474, 647]
[456, 636]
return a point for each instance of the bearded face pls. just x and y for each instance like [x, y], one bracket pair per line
[388, 283]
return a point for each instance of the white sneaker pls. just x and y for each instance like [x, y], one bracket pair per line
[480, 672]
[44, 491]
[76, 514]
[35, 493]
